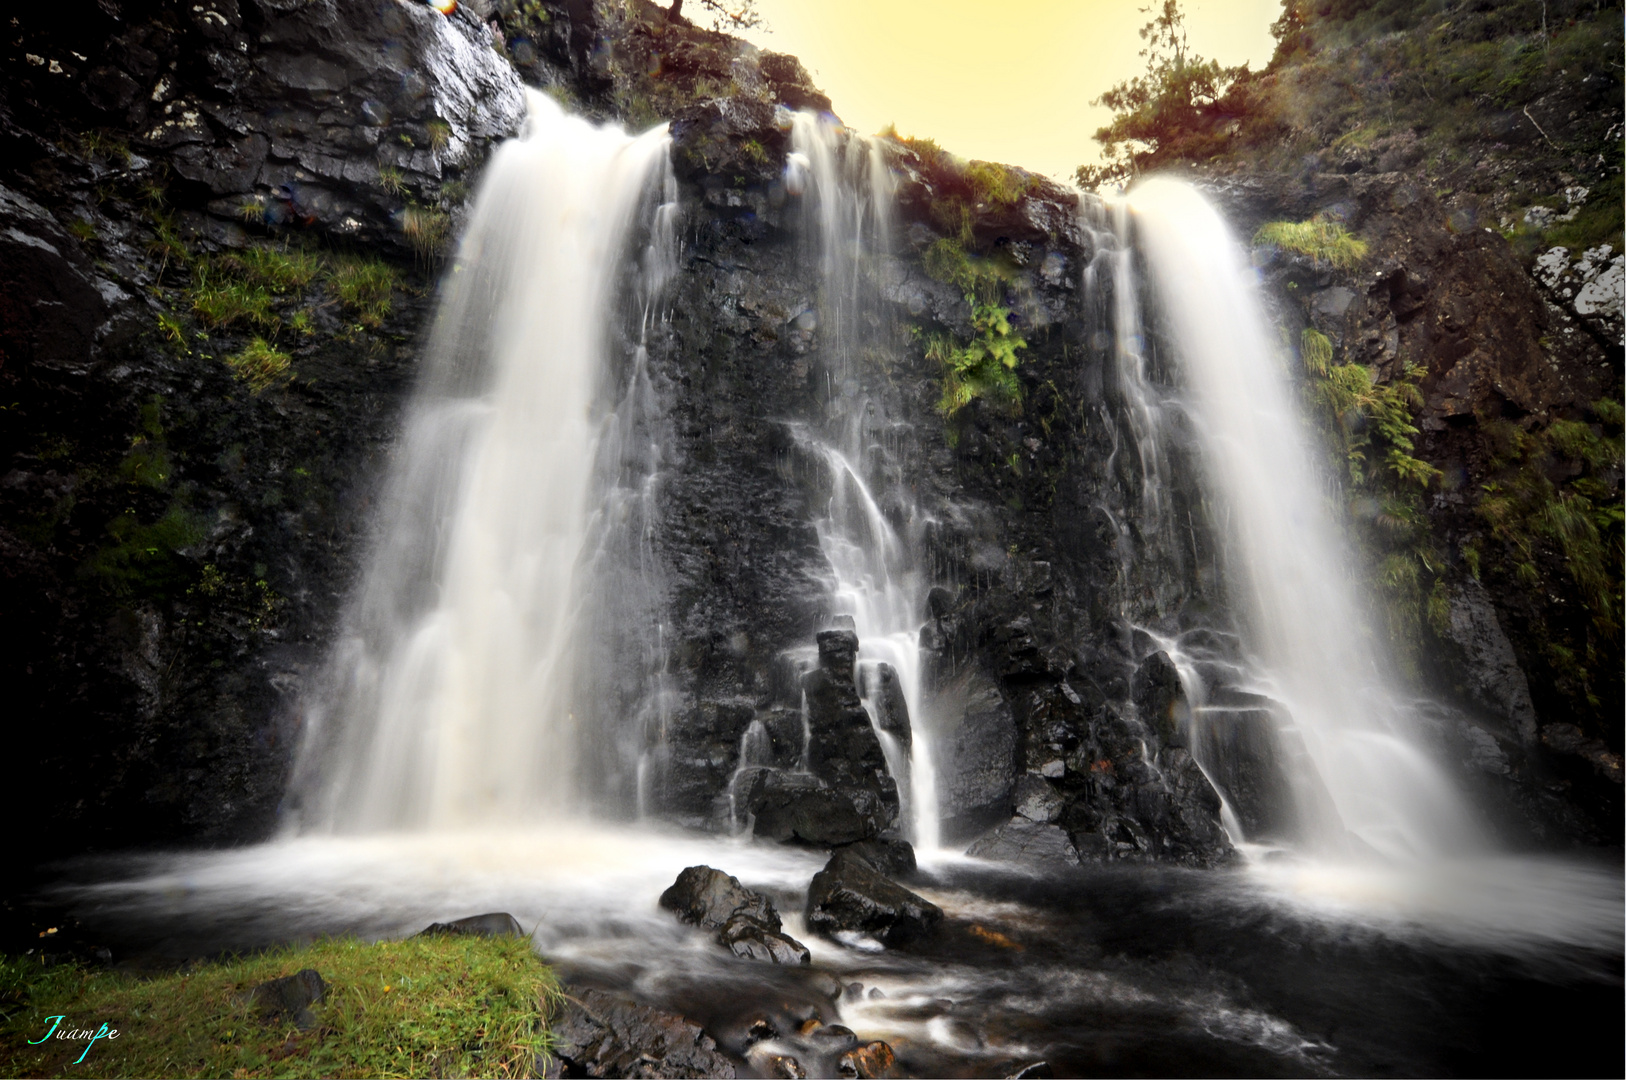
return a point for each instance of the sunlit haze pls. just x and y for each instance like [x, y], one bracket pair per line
[1009, 82]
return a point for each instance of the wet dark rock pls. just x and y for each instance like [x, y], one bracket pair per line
[843, 749]
[1036, 799]
[496, 924]
[1244, 759]
[804, 809]
[607, 1035]
[888, 855]
[704, 897]
[891, 710]
[745, 920]
[750, 939]
[784, 1067]
[850, 895]
[1493, 676]
[1027, 843]
[1160, 700]
[290, 998]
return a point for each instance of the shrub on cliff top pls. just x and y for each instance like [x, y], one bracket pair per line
[428, 1006]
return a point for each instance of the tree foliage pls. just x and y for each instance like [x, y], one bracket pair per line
[726, 15]
[1180, 96]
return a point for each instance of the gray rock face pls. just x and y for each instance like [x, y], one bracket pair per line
[1036, 799]
[850, 895]
[1244, 756]
[891, 710]
[604, 1034]
[1160, 699]
[1028, 843]
[978, 747]
[1494, 677]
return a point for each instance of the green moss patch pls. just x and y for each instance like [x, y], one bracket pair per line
[434, 1006]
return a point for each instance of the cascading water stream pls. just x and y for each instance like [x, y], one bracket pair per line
[453, 694]
[849, 193]
[1288, 570]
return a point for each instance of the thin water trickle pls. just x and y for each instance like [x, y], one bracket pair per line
[848, 194]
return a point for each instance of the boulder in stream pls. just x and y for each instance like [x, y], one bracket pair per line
[745, 920]
[850, 895]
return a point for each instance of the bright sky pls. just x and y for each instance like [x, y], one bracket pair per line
[1001, 80]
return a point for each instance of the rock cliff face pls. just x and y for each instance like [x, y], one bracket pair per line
[183, 512]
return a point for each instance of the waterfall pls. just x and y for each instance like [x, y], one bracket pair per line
[453, 697]
[1343, 733]
[877, 580]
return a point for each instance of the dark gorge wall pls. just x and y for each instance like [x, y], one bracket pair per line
[185, 509]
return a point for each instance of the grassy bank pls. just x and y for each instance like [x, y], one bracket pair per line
[437, 1006]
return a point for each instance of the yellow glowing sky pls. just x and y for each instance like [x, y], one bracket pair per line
[1002, 80]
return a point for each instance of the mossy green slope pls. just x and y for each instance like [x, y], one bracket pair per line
[427, 1006]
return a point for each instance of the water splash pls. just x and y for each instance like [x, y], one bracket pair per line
[451, 698]
[866, 531]
[1287, 568]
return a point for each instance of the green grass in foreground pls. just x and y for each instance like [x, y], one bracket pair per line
[438, 1006]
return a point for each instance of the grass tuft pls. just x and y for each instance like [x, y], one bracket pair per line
[364, 286]
[435, 1006]
[1322, 240]
[261, 365]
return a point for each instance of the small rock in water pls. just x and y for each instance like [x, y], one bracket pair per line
[603, 1034]
[855, 991]
[869, 1061]
[849, 894]
[745, 920]
[290, 996]
[784, 1067]
[876, 993]
[494, 924]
